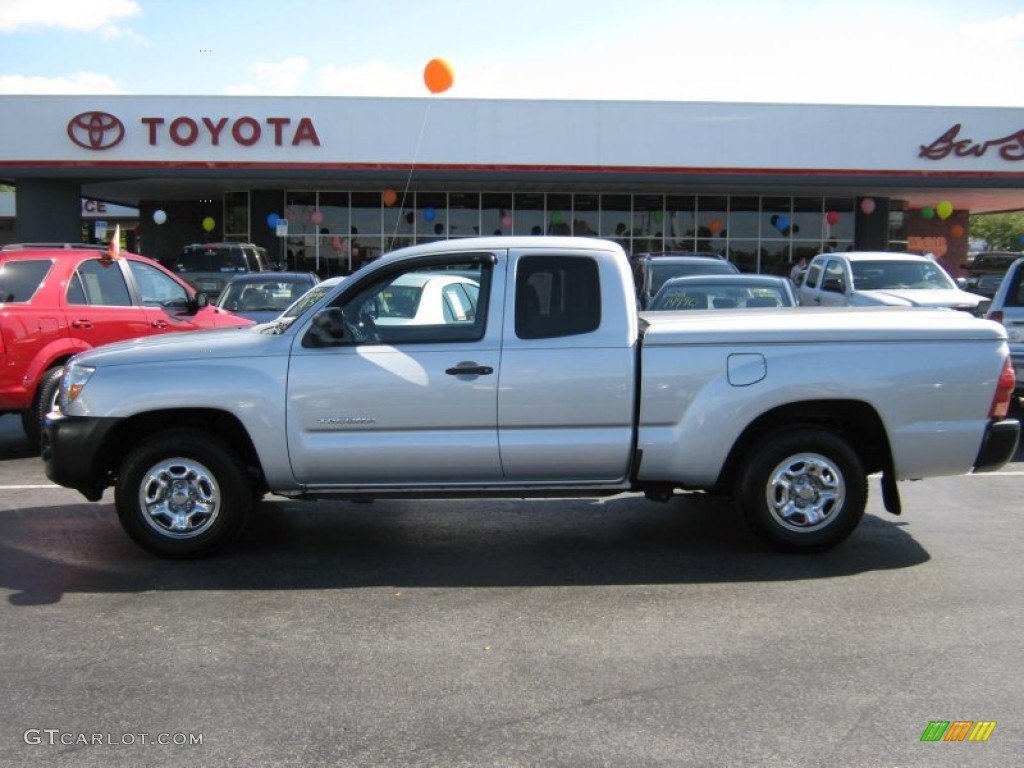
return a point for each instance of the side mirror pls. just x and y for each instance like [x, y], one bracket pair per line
[197, 302]
[327, 328]
[833, 285]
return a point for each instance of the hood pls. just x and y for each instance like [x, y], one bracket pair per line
[220, 343]
[910, 297]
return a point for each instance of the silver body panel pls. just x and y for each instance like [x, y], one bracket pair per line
[561, 412]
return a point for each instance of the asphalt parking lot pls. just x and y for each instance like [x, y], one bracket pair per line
[502, 633]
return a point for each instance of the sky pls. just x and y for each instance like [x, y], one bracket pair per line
[943, 53]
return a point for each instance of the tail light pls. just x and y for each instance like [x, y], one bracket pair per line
[1004, 392]
[997, 316]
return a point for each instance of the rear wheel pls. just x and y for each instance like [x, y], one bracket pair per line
[802, 490]
[183, 493]
[44, 402]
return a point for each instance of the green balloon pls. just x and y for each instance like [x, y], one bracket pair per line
[556, 217]
[659, 216]
[927, 213]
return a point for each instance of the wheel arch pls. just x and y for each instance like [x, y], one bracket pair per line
[854, 420]
[129, 432]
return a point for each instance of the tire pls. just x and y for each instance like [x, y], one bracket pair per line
[183, 493]
[802, 490]
[45, 399]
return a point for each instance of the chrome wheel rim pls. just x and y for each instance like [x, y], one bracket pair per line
[805, 492]
[179, 498]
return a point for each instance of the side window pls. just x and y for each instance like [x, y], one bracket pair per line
[155, 288]
[445, 302]
[20, 279]
[834, 276]
[813, 276]
[99, 282]
[557, 296]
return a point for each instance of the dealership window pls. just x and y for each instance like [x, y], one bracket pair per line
[680, 222]
[616, 213]
[529, 213]
[712, 221]
[236, 217]
[463, 214]
[335, 232]
[586, 215]
[496, 214]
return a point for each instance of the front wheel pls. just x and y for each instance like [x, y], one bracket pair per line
[802, 490]
[182, 494]
[44, 402]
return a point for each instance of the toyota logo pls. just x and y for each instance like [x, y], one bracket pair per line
[95, 130]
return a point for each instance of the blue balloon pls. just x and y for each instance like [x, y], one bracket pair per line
[429, 214]
[782, 223]
[272, 220]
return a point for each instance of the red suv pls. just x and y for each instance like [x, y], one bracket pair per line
[56, 300]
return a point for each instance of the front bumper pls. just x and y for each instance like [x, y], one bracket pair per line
[72, 452]
[998, 445]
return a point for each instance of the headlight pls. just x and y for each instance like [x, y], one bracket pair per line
[74, 379]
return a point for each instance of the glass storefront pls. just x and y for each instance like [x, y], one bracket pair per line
[335, 232]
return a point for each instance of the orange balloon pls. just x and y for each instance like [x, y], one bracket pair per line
[438, 75]
[715, 225]
[389, 196]
[956, 230]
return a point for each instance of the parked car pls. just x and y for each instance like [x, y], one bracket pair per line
[651, 270]
[427, 298]
[870, 278]
[58, 300]
[985, 271]
[724, 292]
[262, 296]
[1008, 308]
[209, 266]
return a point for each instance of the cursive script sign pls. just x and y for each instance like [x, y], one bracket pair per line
[1011, 146]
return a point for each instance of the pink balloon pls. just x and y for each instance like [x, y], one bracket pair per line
[867, 205]
[506, 222]
[317, 217]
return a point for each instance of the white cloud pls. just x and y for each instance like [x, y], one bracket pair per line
[78, 83]
[1002, 30]
[374, 78]
[77, 15]
[283, 78]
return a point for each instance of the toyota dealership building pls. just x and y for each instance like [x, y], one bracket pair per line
[326, 183]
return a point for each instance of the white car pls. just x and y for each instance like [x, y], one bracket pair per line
[427, 298]
[870, 278]
[1008, 308]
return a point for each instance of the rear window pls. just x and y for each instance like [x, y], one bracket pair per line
[213, 260]
[21, 278]
[662, 272]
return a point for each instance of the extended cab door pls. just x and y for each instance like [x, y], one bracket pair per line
[827, 283]
[568, 369]
[397, 382]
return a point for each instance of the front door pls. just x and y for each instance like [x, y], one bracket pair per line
[405, 392]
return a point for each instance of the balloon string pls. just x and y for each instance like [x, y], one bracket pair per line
[408, 181]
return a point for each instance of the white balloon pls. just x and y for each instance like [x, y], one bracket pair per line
[159, 216]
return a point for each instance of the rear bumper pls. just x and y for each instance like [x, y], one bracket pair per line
[998, 445]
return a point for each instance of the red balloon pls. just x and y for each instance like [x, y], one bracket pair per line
[832, 217]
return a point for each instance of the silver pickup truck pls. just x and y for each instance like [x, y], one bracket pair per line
[519, 367]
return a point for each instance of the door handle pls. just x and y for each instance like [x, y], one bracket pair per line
[470, 369]
[81, 323]
[159, 323]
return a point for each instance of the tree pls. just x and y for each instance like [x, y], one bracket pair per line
[1000, 231]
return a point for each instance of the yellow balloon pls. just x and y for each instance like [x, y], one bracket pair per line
[944, 209]
[209, 223]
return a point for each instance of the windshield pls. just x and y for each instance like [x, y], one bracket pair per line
[900, 275]
[662, 272]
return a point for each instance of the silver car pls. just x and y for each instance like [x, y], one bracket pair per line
[1008, 308]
